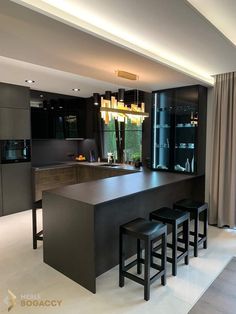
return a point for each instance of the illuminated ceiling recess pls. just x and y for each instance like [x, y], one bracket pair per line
[78, 15]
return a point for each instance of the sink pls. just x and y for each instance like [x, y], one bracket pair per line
[109, 165]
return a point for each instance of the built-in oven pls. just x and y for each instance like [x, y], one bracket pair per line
[13, 151]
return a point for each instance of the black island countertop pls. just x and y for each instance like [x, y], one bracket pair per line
[109, 189]
[81, 221]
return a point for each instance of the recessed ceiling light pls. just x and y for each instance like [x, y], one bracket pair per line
[29, 81]
[76, 89]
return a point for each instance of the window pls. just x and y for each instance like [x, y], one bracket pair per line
[133, 140]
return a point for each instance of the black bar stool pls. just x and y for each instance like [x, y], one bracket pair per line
[148, 231]
[175, 218]
[37, 236]
[195, 208]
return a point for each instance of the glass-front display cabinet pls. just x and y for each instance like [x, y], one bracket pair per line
[179, 129]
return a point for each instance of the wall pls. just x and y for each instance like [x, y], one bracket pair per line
[51, 151]
[45, 152]
[210, 121]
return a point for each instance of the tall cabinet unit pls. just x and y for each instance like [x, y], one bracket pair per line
[179, 129]
[15, 168]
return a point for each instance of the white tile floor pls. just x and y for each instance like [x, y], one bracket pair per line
[23, 272]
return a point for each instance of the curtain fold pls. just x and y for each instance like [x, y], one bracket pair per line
[222, 198]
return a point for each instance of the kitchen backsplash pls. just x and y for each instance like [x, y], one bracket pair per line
[46, 152]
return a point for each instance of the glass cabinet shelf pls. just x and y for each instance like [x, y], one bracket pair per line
[186, 126]
[158, 126]
[177, 137]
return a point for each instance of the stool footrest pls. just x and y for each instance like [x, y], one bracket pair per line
[133, 277]
[131, 264]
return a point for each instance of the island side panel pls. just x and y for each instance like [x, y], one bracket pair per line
[68, 231]
[109, 216]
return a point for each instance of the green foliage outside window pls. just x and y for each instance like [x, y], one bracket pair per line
[133, 140]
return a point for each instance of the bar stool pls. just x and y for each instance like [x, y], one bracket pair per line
[37, 236]
[175, 218]
[148, 231]
[195, 208]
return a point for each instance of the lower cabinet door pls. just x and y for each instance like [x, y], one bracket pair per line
[16, 187]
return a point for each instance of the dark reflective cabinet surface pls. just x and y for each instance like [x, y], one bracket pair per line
[179, 129]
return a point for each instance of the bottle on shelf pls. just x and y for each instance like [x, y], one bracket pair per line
[187, 166]
[192, 164]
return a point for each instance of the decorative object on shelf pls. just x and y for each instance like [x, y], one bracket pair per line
[194, 119]
[192, 164]
[187, 166]
[179, 168]
[111, 108]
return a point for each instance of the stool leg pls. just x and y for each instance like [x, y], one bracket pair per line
[186, 241]
[139, 253]
[205, 226]
[196, 231]
[147, 270]
[174, 249]
[34, 227]
[163, 257]
[121, 261]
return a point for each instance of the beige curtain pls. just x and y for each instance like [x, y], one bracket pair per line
[222, 196]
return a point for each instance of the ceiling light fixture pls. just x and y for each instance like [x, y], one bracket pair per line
[111, 108]
[75, 89]
[30, 81]
[96, 99]
[127, 75]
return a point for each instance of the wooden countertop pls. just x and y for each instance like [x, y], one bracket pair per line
[107, 190]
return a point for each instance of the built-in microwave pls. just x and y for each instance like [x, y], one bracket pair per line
[13, 151]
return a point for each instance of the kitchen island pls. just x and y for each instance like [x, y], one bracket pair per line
[81, 221]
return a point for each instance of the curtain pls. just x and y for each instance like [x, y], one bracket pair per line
[222, 196]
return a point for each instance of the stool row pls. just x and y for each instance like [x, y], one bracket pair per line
[153, 234]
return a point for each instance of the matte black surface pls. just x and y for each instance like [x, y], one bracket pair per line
[143, 228]
[86, 218]
[149, 231]
[16, 187]
[195, 208]
[14, 96]
[106, 190]
[175, 218]
[69, 239]
[14, 124]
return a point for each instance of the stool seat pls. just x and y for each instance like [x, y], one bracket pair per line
[191, 205]
[143, 228]
[169, 215]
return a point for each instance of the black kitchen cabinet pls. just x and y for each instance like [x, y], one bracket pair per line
[179, 129]
[59, 118]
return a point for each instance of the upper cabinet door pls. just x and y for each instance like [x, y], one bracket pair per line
[186, 127]
[14, 124]
[162, 130]
[13, 96]
[59, 119]
[179, 129]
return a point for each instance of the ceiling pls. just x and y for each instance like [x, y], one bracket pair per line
[167, 43]
[221, 13]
